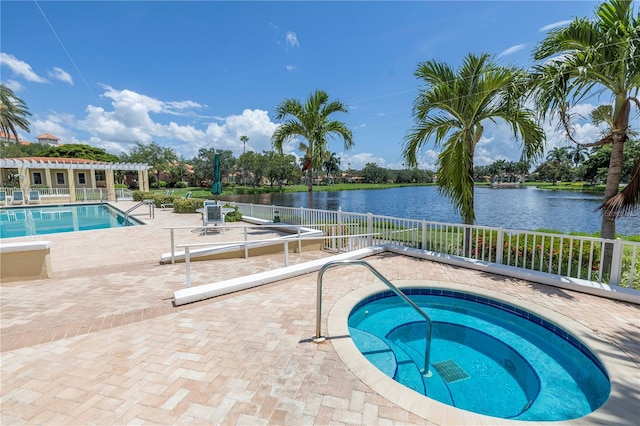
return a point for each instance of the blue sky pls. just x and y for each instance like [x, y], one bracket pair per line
[193, 75]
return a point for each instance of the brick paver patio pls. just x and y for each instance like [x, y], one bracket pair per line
[101, 343]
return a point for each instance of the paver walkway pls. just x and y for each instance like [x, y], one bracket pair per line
[101, 343]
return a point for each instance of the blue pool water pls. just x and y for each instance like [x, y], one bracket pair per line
[486, 356]
[25, 221]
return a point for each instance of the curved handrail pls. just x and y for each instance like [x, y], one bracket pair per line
[319, 338]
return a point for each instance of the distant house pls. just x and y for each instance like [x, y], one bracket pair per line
[44, 139]
[47, 139]
[167, 177]
[10, 138]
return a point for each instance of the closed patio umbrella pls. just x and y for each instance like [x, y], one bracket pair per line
[216, 186]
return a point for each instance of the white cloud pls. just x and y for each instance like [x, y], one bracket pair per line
[359, 160]
[14, 85]
[291, 67]
[554, 25]
[511, 50]
[292, 39]
[20, 68]
[56, 124]
[60, 74]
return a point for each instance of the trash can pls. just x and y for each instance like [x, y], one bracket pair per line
[276, 216]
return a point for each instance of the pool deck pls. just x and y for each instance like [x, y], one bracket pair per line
[101, 342]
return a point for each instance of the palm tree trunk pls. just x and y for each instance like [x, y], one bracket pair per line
[608, 226]
[310, 179]
[618, 136]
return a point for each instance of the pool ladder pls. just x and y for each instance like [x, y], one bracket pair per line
[150, 203]
[318, 338]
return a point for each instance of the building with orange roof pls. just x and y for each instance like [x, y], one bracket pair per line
[47, 139]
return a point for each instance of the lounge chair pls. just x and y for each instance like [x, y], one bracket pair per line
[3, 198]
[34, 196]
[187, 195]
[213, 215]
[17, 197]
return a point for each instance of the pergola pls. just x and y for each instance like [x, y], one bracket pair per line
[70, 173]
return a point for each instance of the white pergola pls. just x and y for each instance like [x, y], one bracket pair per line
[46, 165]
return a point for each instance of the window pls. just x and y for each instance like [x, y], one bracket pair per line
[60, 178]
[100, 175]
[37, 178]
[82, 179]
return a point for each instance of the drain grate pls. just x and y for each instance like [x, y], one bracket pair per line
[450, 371]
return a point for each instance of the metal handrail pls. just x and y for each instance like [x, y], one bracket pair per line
[141, 203]
[318, 338]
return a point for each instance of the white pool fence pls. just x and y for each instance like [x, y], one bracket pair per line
[558, 254]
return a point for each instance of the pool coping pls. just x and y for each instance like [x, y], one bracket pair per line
[621, 370]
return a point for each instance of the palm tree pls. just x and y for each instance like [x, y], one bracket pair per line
[244, 139]
[578, 154]
[331, 164]
[594, 57]
[453, 107]
[559, 154]
[311, 121]
[13, 113]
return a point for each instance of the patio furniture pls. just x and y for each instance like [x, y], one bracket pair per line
[3, 198]
[34, 196]
[17, 197]
[213, 215]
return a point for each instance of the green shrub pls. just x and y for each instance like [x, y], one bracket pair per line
[181, 184]
[190, 205]
[234, 216]
[121, 185]
[159, 199]
[140, 195]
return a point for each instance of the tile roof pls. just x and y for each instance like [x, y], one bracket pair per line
[62, 160]
[47, 136]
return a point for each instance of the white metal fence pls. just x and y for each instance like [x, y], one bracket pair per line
[558, 254]
[82, 194]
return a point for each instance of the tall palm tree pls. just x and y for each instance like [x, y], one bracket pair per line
[453, 108]
[330, 163]
[312, 122]
[13, 113]
[593, 57]
[244, 139]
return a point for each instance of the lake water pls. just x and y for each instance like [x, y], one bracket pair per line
[525, 208]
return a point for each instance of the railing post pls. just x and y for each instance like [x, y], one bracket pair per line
[616, 262]
[246, 244]
[370, 229]
[299, 241]
[499, 246]
[339, 230]
[286, 254]
[187, 262]
[424, 234]
[173, 248]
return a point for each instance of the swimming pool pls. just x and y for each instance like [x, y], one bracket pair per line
[488, 357]
[41, 220]
[620, 369]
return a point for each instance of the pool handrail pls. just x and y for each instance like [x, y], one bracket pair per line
[318, 338]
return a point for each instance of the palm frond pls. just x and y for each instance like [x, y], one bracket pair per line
[625, 201]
